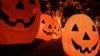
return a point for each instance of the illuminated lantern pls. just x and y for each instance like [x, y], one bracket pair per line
[46, 27]
[19, 21]
[80, 36]
[57, 29]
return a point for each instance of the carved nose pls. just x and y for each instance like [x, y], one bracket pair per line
[20, 5]
[86, 37]
[49, 26]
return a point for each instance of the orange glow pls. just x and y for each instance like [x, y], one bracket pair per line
[57, 29]
[21, 23]
[46, 27]
[80, 36]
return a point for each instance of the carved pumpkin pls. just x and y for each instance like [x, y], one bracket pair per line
[80, 36]
[57, 29]
[17, 21]
[46, 27]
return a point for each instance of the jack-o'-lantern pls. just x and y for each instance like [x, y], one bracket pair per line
[17, 21]
[80, 36]
[46, 27]
[57, 29]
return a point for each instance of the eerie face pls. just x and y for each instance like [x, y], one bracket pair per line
[17, 20]
[46, 27]
[57, 29]
[80, 36]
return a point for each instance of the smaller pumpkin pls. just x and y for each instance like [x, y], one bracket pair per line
[80, 36]
[57, 29]
[46, 27]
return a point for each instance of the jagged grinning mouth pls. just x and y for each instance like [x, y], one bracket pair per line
[47, 33]
[5, 18]
[55, 33]
[78, 47]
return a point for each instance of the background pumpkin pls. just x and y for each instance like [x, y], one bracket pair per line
[17, 21]
[80, 36]
[57, 29]
[46, 27]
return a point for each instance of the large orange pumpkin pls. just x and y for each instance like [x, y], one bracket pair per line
[46, 27]
[17, 21]
[80, 36]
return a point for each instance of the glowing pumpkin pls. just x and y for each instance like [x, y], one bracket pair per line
[46, 27]
[57, 29]
[80, 36]
[17, 21]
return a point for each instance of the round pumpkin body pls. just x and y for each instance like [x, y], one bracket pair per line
[46, 27]
[17, 21]
[80, 36]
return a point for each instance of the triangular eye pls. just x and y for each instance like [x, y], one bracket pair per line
[75, 28]
[94, 29]
[43, 22]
